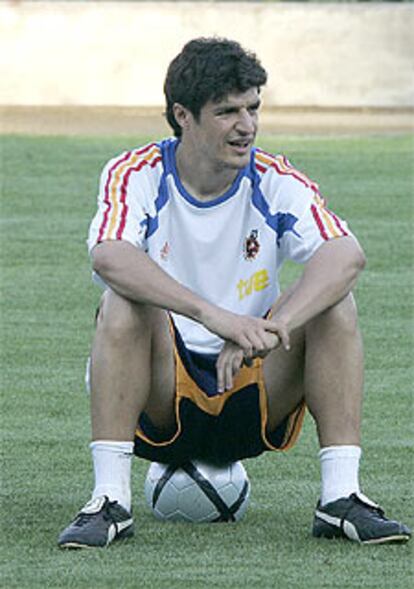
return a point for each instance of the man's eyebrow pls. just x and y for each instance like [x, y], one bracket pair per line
[231, 106]
[219, 105]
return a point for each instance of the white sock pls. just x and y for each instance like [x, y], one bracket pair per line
[112, 466]
[339, 470]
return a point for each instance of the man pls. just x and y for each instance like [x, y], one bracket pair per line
[197, 354]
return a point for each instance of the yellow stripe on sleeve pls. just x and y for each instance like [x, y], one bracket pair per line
[116, 184]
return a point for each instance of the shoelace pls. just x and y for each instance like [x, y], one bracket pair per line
[376, 508]
[83, 518]
[378, 511]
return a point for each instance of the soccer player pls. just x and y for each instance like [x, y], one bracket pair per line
[197, 353]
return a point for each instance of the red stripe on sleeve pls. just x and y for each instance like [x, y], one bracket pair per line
[319, 222]
[261, 168]
[291, 172]
[124, 187]
[106, 192]
[338, 223]
[111, 172]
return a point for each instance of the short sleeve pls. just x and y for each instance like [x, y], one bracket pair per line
[125, 192]
[304, 222]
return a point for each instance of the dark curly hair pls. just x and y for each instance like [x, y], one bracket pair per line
[209, 69]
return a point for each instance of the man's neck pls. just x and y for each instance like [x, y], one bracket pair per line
[201, 182]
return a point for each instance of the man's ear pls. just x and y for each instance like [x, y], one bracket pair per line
[182, 115]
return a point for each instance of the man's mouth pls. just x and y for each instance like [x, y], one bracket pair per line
[240, 145]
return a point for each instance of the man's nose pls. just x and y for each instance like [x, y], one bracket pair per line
[246, 122]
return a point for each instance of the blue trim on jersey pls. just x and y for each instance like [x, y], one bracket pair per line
[281, 223]
[168, 149]
[160, 202]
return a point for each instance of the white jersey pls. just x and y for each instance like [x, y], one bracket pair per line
[228, 250]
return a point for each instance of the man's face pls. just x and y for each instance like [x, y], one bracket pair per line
[225, 132]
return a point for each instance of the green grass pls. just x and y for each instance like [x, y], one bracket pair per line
[48, 194]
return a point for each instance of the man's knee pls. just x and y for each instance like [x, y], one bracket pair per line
[118, 318]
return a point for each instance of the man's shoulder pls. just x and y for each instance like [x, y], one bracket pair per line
[145, 157]
[277, 168]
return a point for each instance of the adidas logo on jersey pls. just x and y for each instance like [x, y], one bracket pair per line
[164, 251]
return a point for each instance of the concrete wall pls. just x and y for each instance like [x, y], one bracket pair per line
[116, 53]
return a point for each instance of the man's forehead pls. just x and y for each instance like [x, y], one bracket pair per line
[237, 98]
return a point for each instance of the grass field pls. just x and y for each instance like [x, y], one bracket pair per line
[48, 194]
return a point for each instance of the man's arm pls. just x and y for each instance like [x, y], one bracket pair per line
[327, 278]
[131, 273]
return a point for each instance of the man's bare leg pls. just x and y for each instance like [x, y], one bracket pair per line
[324, 365]
[132, 369]
[334, 374]
[334, 390]
[132, 366]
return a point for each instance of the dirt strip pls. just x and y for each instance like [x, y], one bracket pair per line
[64, 120]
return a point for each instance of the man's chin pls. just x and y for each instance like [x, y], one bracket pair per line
[238, 162]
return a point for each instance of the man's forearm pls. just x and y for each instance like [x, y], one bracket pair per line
[327, 278]
[131, 273]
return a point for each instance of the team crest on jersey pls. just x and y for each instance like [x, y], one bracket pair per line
[251, 245]
[164, 251]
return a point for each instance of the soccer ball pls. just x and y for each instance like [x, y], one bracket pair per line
[197, 492]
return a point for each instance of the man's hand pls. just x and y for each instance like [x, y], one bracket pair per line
[245, 338]
[248, 333]
[232, 358]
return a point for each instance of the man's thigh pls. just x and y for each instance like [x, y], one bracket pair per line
[146, 330]
[161, 400]
[284, 379]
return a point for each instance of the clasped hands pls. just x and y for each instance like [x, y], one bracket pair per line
[258, 341]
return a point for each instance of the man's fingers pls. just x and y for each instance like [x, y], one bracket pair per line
[255, 338]
[281, 332]
[224, 371]
[246, 345]
[228, 365]
[255, 342]
[228, 376]
[220, 373]
[283, 335]
[269, 325]
[232, 368]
